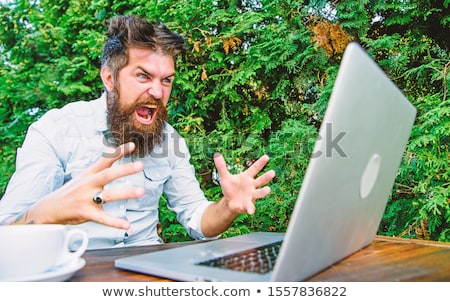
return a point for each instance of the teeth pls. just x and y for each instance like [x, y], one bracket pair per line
[150, 110]
[146, 114]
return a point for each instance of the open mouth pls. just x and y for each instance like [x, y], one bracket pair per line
[146, 114]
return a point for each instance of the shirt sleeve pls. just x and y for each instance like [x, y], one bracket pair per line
[38, 172]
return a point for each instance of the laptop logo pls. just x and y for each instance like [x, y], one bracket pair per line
[370, 175]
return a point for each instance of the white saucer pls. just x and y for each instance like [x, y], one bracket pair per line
[60, 274]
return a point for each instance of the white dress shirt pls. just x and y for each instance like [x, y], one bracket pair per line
[66, 141]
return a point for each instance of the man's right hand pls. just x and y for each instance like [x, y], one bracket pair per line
[73, 203]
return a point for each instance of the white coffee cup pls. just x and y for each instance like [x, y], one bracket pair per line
[27, 250]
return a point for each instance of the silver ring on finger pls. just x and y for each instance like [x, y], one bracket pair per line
[98, 198]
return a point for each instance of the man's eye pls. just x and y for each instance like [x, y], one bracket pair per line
[142, 76]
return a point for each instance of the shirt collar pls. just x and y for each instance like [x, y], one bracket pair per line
[101, 113]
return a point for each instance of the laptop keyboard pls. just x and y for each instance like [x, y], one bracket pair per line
[258, 260]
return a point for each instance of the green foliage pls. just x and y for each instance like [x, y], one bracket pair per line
[420, 201]
[256, 79]
[423, 181]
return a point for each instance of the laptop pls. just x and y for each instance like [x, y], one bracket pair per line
[341, 201]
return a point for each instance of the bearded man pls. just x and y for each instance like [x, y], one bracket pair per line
[103, 165]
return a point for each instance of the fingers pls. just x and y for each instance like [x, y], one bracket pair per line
[257, 166]
[122, 194]
[79, 206]
[104, 170]
[112, 155]
[111, 195]
[260, 193]
[254, 169]
[108, 220]
[221, 165]
[251, 208]
[264, 179]
[108, 175]
[259, 182]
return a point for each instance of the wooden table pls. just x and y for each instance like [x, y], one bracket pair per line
[386, 259]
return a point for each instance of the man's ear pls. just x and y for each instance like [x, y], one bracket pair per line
[107, 78]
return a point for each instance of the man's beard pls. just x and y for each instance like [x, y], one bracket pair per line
[124, 127]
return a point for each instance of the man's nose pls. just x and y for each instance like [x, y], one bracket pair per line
[155, 90]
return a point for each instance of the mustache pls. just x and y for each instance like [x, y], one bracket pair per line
[129, 109]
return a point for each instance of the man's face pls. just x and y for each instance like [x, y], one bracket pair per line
[137, 103]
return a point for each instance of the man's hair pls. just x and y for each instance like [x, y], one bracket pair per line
[132, 31]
